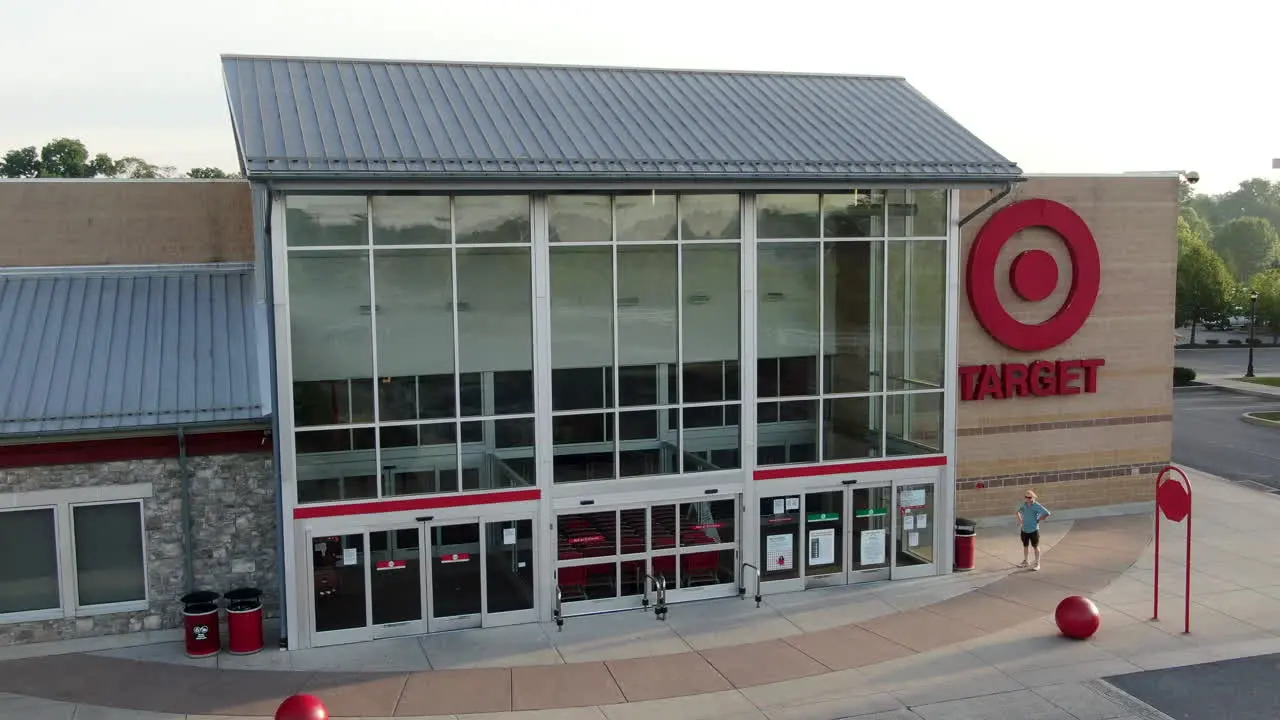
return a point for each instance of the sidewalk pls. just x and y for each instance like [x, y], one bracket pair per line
[1235, 384]
[989, 651]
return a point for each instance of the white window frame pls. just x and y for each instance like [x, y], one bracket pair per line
[62, 502]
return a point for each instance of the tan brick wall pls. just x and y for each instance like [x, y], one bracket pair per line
[124, 222]
[1008, 445]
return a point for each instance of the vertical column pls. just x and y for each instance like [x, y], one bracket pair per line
[749, 523]
[946, 493]
[544, 535]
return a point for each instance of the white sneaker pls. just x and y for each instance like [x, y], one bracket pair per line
[1036, 567]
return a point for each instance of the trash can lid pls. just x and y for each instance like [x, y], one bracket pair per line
[199, 597]
[243, 594]
[200, 608]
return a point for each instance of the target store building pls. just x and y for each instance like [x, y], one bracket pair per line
[550, 340]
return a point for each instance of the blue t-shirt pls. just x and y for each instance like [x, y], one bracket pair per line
[1032, 515]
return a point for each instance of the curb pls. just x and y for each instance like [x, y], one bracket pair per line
[1252, 419]
[1236, 387]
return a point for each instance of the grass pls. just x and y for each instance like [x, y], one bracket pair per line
[1272, 416]
[1268, 381]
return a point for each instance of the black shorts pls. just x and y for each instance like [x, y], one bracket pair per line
[1031, 538]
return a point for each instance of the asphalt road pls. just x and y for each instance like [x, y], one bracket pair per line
[1229, 361]
[1209, 435]
[1244, 689]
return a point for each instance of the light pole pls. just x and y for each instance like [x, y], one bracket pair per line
[1253, 320]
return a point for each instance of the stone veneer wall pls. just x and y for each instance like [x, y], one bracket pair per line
[234, 524]
[1082, 450]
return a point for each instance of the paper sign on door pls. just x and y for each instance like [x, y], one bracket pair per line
[350, 556]
[508, 536]
[779, 553]
[822, 546]
[871, 543]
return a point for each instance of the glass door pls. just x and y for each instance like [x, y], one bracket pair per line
[338, 603]
[509, 572]
[825, 516]
[871, 535]
[456, 580]
[916, 524]
[395, 582]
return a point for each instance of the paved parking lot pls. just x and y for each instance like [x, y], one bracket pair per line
[1241, 689]
[1209, 435]
[1230, 361]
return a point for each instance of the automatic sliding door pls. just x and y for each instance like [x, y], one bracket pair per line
[825, 538]
[395, 581]
[871, 524]
[509, 572]
[457, 578]
[915, 532]
[339, 602]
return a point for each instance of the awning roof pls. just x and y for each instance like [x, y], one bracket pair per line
[303, 118]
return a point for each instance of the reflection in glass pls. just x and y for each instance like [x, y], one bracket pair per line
[915, 544]
[918, 213]
[509, 565]
[914, 423]
[108, 553]
[786, 216]
[336, 465]
[851, 428]
[642, 449]
[495, 321]
[712, 440]
[708, 522]
[787, 319]
[916, 333]
[855, 215]
[455, 570]
[491, 219]
[711, 325]
[410, 219]
[852, 336]
[647, 312]
[580, 218]
[645, 217]
[581, 326]
[501, 455]
[788, 432]
[316, 220]
[583, 447]
[30, 576]
[414, 292]
[710, 217]
[338, 582]
[419, 459]
[395, 583]
[331, 336]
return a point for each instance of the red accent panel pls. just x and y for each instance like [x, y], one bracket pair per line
[307, 512]
[132, 448]
[862, 466]
[1086, 275]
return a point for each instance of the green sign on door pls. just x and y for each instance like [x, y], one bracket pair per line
[823, 517]
[871, 512]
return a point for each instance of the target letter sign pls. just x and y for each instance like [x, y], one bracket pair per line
[1033, 276]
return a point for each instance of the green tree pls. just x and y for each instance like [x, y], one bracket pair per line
[21, 163]
[1248, 244]
[1187, 238]
[1204, 287]
[1267, 285]
[210, 173]
[1197, 225]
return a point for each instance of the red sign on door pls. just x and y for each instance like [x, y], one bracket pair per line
[391, 564]
[456, 558]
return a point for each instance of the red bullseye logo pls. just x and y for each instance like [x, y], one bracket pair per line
[1034, 275]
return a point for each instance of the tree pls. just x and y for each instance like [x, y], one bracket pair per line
[210, 173]
[1187, 237]
[1248, 245]
[1267, 285]
[139, 169]
[1197, 225]
[21, 163]
[1204, 287]
[69, 158]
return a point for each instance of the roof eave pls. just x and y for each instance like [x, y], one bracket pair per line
[1012, 174]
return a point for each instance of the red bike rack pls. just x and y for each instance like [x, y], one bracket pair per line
[1173, 500]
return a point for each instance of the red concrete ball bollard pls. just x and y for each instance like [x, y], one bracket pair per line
[302, 707]
[1078, 617]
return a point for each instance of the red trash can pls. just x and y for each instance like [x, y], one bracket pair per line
[966, 544]
[200, 623]
[244, 621]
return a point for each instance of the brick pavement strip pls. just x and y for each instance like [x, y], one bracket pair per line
[1094, 552]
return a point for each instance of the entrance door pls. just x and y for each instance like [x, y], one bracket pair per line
[395, 582]
[847, 535]
[916, 525]
[456, 579]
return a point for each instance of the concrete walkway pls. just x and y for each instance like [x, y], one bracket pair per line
[1235, 384]
[990, 652]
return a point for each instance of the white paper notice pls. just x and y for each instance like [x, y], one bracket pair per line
[911, 498]
[793, 503]
[779, 553]
[913, 539]
[872, 547]
[779, 506]
[922, 522]
[508, 536]
[908, 522]
[822, 546]
[350, 556]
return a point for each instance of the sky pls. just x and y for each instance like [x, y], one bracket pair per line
[1081, 87]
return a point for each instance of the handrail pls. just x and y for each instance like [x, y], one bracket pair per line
[557, 613]
[659, 608]
[742, 589]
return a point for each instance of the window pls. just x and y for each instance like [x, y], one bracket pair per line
[29, 579]
[851, 324]
[110, 567]
[411, 325]
[75, 559]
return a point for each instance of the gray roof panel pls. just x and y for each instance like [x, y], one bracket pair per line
[330, 118]
[118, 348]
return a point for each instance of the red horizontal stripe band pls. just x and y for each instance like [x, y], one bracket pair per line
[841, 468]
[307, 512]
[145, 447]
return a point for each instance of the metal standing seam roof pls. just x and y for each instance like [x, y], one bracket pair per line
[113, 348]
[303, 118]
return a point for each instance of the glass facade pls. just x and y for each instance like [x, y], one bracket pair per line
[413, 348]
